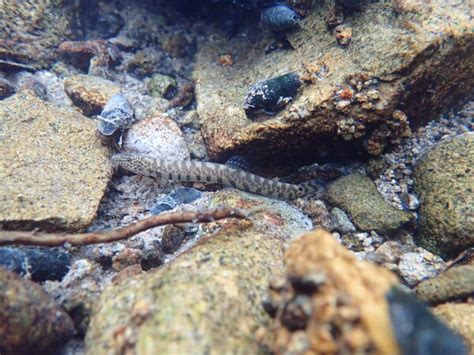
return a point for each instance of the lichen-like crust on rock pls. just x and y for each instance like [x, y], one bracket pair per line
[346, 308]
[53, 168]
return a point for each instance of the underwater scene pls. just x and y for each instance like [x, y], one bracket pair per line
[237, 177]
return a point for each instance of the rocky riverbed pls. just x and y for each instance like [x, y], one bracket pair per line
[366, 104]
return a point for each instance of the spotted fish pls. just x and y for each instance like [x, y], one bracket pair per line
[196, 171]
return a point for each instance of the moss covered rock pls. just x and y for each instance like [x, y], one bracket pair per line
[444, 181]
[358, 196]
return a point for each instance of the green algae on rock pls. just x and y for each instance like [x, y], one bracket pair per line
[456, 283]
[209, 297]
[53, 169]
[30, 321]
[444, 181]
[358, 196]
[408, 60]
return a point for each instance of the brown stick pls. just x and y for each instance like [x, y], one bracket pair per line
[58, 239]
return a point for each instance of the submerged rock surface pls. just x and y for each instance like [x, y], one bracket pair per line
[444, 180]
[407, 61]
[209, 297]
[53, 168]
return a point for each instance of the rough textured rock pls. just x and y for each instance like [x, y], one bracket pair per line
[358, 196]
[53, 169]
[330, 302]
[32, 30]
[340, 222]
[459, 317]
[407, 58]
[90, 93]
[30, 321]
[444, 180]
[157, 136]
[454, 284]
[208, 297]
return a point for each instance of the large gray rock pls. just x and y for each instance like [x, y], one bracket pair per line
[207, 299]
[53, 169]
[407, 58]
[444, 180]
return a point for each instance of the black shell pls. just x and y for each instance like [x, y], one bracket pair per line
[279, 18]
[271, 95]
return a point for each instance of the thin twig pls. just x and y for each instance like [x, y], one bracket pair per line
[58, 239]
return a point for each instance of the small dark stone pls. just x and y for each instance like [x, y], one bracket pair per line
[352, 4]
[270, 307]
[280, 18]
[309, 283]
[153, 257]
[297, 313]
[6, 88]
[238, 162]
[269, 96]
[163, 204]
[40, 264]
[172, 239]
[109, 25]
[419, 332]
[185, 195]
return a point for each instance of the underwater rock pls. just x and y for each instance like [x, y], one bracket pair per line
[44, 143]
[329, 301]
[157, 136]
[6, 88]
[358, 196]
[417, 330]
[280, 18]
[162, 86]
[116, 116]
[165, 203]
[31, 31]
[38, 264]
[352, 3]
[172, 239]
[94, 57]
[30, 320]
[269, 96]
[454, 284]
[340, 222]
[409, 82]
[90, 93]
[181, 195]
[217, 284]
[458, 316]
[443, 180]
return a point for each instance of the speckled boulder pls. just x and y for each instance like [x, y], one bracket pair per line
[407, 60]
[456, 283]
[358, 196]
[31, 31]
[90, 93]
[30, 321]
[330, 301]
[444, 181]
[207, 299]
[53, 169]
[459, 317]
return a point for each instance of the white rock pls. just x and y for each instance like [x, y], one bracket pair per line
[157, 136]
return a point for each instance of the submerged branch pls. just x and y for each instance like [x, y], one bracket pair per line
[59, 239]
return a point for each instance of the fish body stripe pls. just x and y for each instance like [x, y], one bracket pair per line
[196, 171]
